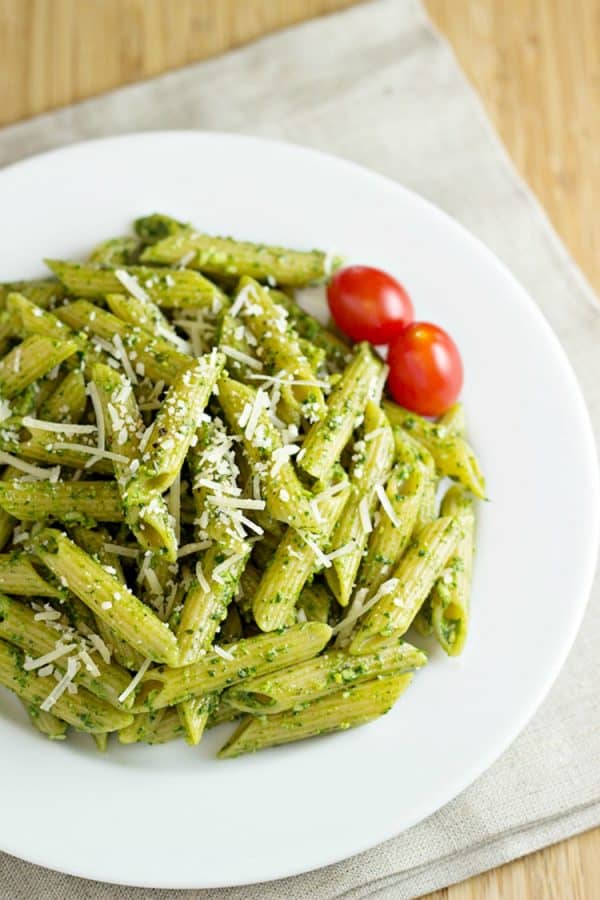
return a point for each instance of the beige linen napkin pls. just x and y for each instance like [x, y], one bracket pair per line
[375, 84]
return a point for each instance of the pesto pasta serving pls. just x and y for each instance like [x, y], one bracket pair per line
[210, 509]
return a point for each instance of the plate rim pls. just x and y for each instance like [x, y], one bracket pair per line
[588, 450]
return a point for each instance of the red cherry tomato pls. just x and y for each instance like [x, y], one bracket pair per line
[426, 372]
[368, 304]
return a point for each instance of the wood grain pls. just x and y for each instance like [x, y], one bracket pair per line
[54, 52]
[536, 65]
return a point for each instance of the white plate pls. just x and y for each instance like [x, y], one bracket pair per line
[173, 816]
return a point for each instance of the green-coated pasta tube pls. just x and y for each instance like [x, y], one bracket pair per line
[407, 447]
[450, 596]
[206, 602]
[232, 629]
[286, 499]
[278, 349]
[46, 723]
[427, 511]
[223, 256]
[146, 314]
[214, 468]
[242, 361]
[347, 708]
[244, 659]
[223, 713]
[249, 582]
[452, 454]
[315, 602]
[419, 569]
[171, 288]
[294, 561]
[145, 725]
[158, 727]
[160, 360]
[82, 710]
[337, 351]
[314, 355]
[44, 447]
[7, 331]
[7, 523]
[157, 226]
[148, 518]
[68, 400]
[30, 319]
[39, 639]
[121, 251]
[94, 542]
[43, 291]
[454, 419]
[300, 685]
[24, 404]
[101, 741]
[371, 464]
[346, 403]
[168, 728]
[67, 501]
[106, 596]
[174, 427]
[194, 715]
[18, 576]
[31, 359]
[389, 539]
[422, 622]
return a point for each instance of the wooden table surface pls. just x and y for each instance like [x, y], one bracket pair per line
[536, 66]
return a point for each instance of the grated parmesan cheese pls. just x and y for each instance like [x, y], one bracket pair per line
[241, 357]
[358, 608]
[245, 415]
[341, 551]
[119, 550]
[135, 680]
[224, 654]
[46, 671]
[236, 502]
[375, 433]
[73, 666]
[174, 504]
[228, 563]
[94, 395]
[331, 491]
[131, 284]
[186, 259]
[89, 663]
[100, 646]
[202, 581]
[145, 438]
[94, 451]
[35, 471]
[60, 427]
[196, 547]
[5, 410]
[386, 505]
[320, 558]
[125, 361]
[364, 516]
[59, 651]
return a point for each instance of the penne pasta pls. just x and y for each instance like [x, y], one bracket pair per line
[347, 708]
[207, 508]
